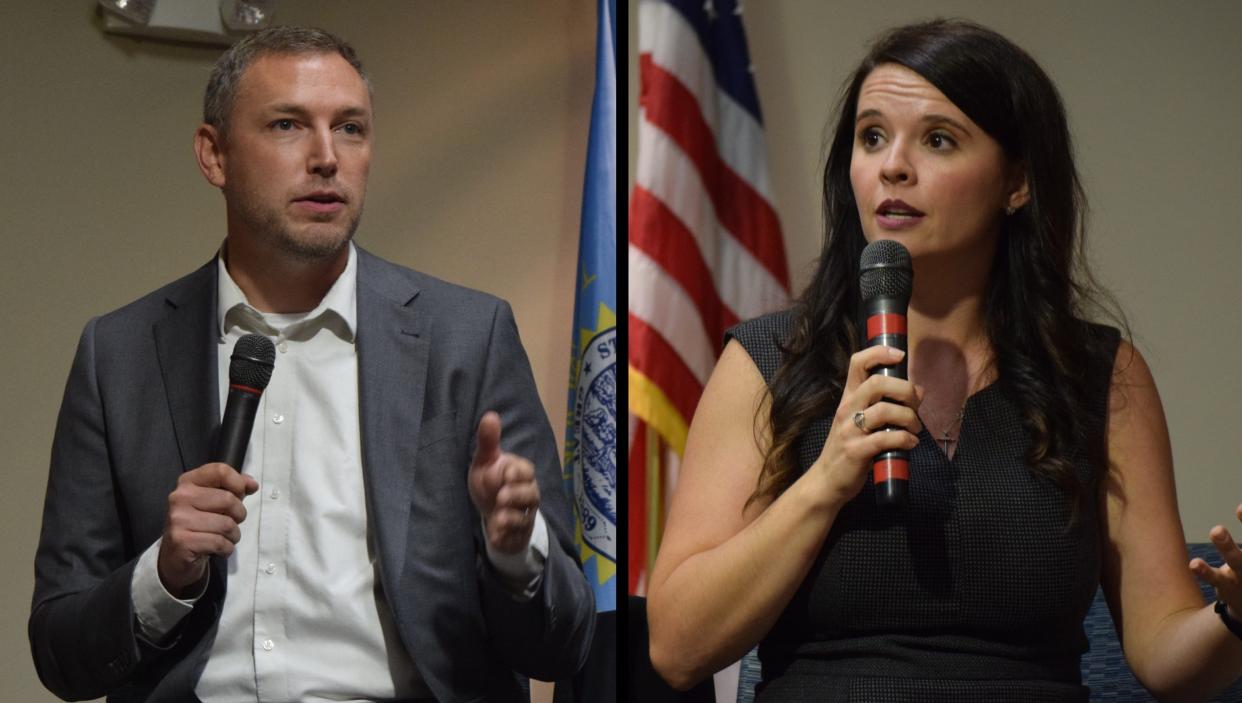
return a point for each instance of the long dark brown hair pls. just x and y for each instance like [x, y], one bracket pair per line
[1039, 292]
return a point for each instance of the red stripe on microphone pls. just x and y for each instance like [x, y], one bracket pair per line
[245, 389]
[885, 323]
[888, 469]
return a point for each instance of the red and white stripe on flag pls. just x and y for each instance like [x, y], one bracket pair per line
[705, 246]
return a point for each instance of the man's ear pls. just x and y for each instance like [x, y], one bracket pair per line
[209, 150]
[1019, 192]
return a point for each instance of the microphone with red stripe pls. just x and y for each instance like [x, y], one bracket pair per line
[250, 368]
[885, 279]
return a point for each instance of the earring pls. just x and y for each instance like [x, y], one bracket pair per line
[1009, 210]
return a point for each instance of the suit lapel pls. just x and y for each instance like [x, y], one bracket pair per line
[189, 374]
[191, 383]
[392, 370]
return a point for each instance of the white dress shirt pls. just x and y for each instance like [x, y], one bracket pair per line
[304, 616]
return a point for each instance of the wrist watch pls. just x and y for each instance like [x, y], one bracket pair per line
[1222, 609]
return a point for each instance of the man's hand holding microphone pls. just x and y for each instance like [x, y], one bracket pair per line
[205, 510]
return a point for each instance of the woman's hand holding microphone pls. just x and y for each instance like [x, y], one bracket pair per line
[868, 403]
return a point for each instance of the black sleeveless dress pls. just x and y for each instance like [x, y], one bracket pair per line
[976, 590]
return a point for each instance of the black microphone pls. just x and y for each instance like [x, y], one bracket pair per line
[249, 372]
[885, 280]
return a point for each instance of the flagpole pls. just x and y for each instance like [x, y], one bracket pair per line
[655, 511]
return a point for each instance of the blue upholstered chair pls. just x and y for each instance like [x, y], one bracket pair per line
[1104, 668]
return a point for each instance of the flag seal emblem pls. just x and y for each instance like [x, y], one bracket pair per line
[595, 459]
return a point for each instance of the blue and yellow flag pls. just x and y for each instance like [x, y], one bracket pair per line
[591, 439]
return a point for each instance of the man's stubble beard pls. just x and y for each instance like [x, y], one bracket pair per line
[274, 230]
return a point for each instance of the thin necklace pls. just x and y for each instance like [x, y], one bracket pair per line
[955, 424]
[957, 421]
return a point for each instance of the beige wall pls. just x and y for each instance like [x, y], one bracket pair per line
[483, 111]
[1154, 94]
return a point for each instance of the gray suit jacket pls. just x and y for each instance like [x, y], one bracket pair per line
[141, 406]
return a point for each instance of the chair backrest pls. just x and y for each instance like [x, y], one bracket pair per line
[1104, 668]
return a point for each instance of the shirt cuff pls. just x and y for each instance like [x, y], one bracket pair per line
[521, 572]
[157, 610]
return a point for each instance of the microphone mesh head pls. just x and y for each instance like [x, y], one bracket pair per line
[253, 358]
[885, 270]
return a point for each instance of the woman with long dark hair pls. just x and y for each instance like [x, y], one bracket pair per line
[1040, 459]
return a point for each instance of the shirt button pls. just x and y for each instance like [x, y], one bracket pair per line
[270, 569]
[283, 347]
[275, 494]
[269, 645]
[278, 418]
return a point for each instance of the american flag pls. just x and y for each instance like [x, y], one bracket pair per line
[705, 245]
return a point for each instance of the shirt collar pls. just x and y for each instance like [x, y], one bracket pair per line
[340, 303]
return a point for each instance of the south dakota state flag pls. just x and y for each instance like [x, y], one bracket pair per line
[591, 438]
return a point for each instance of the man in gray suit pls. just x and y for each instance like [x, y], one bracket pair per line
[398, 529]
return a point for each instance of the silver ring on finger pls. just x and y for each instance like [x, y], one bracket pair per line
[860, 421]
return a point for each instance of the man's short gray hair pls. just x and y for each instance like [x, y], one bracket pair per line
[222, 86]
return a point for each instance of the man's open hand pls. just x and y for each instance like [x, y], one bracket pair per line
[503, 489]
